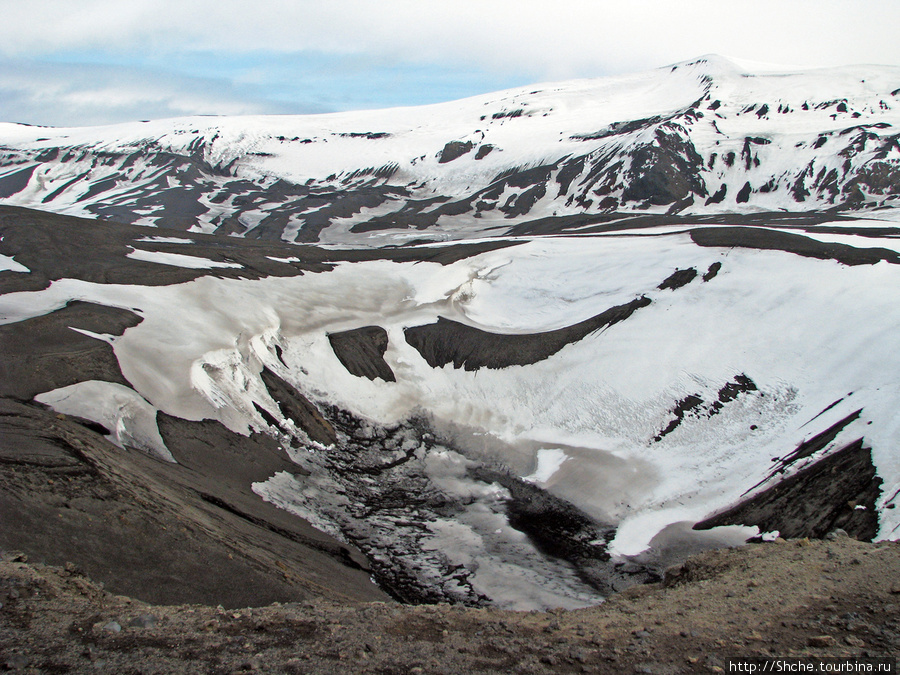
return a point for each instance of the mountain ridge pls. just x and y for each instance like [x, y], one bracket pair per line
[696, 138]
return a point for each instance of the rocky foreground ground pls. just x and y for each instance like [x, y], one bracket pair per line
[835, 598]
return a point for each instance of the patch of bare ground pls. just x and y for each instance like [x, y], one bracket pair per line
[838, 598]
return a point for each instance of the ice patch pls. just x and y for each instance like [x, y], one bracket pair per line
[7, 264]
[549, 460]
[130, 419]
[178, 260]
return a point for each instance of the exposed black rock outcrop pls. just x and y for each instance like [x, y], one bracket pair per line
[776, 240]
[454, 150]
[448, 341]
[837, 491]
[484, 151]
[678, 278]
[712, 271]
[297, 408]
[811, 446]
[361, 351]
[665, 171]
[694, 405]
[15, 182]
[683, 407]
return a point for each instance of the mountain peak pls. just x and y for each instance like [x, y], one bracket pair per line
[709, 135]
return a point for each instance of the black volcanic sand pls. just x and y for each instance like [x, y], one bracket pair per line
[618, 221]
[186, 532]
[787, 599]
[44, 353]
[776, 240]
[168, 533]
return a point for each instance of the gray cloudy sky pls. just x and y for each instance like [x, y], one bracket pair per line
[76, 62]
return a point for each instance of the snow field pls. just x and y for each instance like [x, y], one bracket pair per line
[807, 332]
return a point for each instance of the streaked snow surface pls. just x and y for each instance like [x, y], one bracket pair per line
[807, 332]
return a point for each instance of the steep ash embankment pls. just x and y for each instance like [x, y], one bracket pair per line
[796, 599]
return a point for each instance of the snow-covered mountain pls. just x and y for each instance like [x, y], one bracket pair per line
[705, 137]
[631, 355]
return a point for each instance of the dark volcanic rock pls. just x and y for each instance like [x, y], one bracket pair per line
[712, 271]
[58, 247]
[519, 205]
[296, 407]
[838, 491]
[775, 240]
[665, 171]
[454, 150]
[15, 182]
[361, 351]
[484, 151]
[693, 404]
[682, 408]
[448, 341]
[678, 278]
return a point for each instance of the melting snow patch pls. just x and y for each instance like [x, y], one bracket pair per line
[130, 419]
[548, 462]
[292, 259]
[177, 259]
[7, 264]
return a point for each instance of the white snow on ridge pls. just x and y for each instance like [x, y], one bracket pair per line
[784, 116]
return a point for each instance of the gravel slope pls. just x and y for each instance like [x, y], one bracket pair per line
[836, 597]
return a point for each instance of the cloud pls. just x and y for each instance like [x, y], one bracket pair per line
[66, 94]
[153, 58]
[565, 37]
